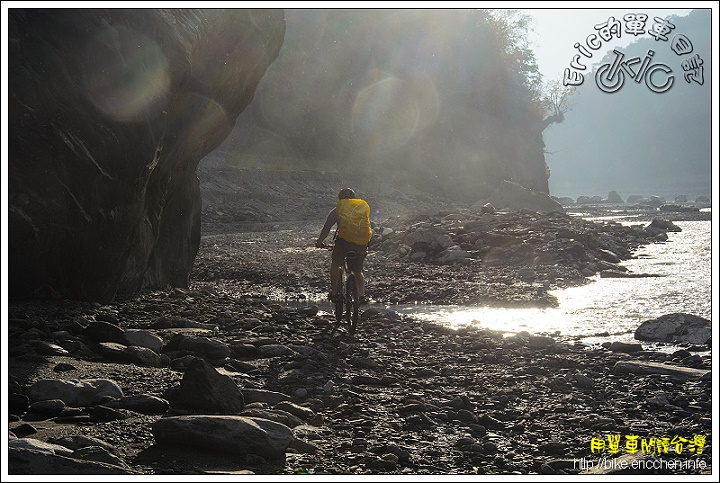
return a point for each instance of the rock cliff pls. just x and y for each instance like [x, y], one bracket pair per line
[109, 113]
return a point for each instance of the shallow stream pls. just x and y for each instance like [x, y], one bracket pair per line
[606, 309]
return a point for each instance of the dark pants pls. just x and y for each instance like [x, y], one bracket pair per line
[355, 263]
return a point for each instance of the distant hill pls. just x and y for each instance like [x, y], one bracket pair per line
[636, 141]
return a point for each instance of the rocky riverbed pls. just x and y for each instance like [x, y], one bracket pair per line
[448, 257]
[245, 372]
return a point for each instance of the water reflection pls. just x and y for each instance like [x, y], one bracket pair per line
[607, 309]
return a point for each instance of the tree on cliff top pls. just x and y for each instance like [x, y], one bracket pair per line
[557, 101]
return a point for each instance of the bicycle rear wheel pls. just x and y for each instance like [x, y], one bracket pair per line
[352, 314]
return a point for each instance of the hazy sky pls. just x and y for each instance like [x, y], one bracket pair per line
[557, 31]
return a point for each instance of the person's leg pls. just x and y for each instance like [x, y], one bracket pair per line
[338, 258]
[334, 277]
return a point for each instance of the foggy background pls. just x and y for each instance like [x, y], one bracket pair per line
[635, 141]
[454, 102]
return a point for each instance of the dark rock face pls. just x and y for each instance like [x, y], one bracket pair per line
[109, 113]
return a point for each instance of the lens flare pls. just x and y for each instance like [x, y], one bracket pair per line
[385, 114]
[125, 74]
[205, 120]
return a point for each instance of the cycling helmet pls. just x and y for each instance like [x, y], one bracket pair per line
[346, 193]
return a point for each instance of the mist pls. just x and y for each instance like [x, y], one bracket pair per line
[635, 141]
[445, 99]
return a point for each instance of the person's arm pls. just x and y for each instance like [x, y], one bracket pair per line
[331, 220]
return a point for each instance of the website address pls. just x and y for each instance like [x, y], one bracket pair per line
[616, 464]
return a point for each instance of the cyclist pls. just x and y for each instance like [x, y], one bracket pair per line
[352, 216]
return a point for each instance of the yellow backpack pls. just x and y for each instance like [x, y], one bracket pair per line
[354, 221]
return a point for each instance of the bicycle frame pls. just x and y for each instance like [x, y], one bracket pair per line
[347, 307]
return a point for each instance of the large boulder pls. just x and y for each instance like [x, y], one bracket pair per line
[74, 392]
[109, 113]
[675, 328]
[28, 456]
[204, 389]
[512, 196]
[614, 197]
[234, 435]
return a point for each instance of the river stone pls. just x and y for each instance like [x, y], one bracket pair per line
[142, 356]
[30, 461]
[101, 331]
[660, 224]
[228, 434]
[212, 348]
[40, 446]
[677, 327]
[675, 372]
[144, 338]
[143, 403]
[278, 415]
[95, 453]
[79, 393]
[299, 411]
[77, 441]
[18, 403]
[205, 389]
[540, 341]
[48, 408]
[513, 196]
[274, 350]
[22, 430]
[263, 395]
[618, 346]
[105, 414]
[584, 381]
[49, 349]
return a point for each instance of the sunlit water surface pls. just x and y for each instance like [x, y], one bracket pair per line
[607, 309]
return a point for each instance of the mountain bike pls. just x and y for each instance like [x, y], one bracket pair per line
[347, 305]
